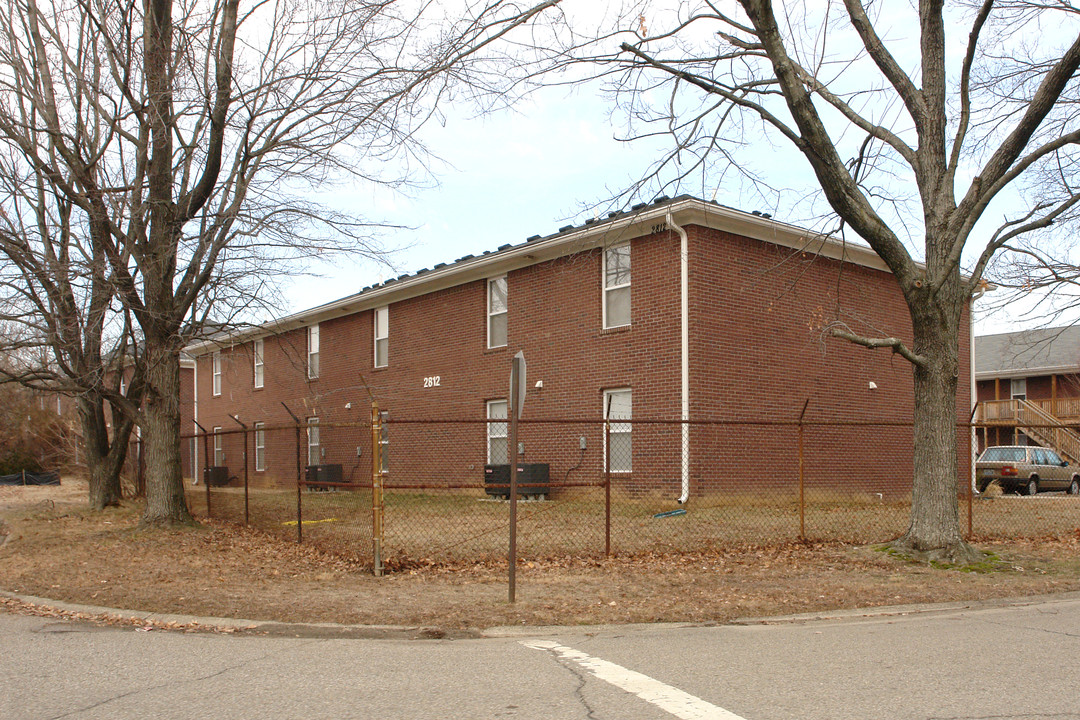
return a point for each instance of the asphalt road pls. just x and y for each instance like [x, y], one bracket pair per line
[1005, 661]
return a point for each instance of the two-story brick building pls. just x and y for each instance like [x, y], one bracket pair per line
[679, 310]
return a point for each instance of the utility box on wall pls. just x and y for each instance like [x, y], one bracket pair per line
[533, 479]
[323, 474]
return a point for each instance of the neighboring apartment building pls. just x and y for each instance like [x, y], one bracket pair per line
[1028, 388]
[680, 309]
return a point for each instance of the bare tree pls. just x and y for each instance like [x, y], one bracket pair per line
[63, 332]
[925, 127]
[188, 135]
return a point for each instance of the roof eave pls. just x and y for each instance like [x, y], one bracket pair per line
[686, 211]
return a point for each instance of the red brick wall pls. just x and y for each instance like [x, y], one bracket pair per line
[554, 317]
[760, 351]
[757, 352]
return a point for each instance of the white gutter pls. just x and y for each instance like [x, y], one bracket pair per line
[195, 418]
[971, 370]
[684, 351]
[974, 388]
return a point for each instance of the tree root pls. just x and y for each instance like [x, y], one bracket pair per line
[957, 555]
[166, 523]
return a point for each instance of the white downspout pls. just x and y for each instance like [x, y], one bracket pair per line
[684, 330]
[983, 289]
[195, 418]
[974, 389]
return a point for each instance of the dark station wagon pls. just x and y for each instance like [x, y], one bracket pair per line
[1025, 468]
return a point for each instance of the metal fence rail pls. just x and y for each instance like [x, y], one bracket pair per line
[400, 492]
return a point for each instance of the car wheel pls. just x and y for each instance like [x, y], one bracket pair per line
[1032, 486]
[1074, 487]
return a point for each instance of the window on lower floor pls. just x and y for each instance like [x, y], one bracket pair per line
[314, 449]
[497, 433]
[384, 441]
[618, 406]
[219, 452]
[260, 446]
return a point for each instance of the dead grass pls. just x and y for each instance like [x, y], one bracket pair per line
[462, 526]
[56, 548]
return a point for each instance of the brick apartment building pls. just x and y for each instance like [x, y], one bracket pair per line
[1028, 388]
[679, 309]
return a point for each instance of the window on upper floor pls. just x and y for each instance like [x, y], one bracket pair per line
[257, 354]
[216, 360]
[618, 406]
[616, 299]
[313, 352]
[260, 446]
[1018, 388]
[496, 312]
[497, 433]
[382, 336]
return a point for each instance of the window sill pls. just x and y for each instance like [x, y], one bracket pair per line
[616, 330]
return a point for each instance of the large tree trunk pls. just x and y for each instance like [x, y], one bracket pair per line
[934, 531]
[102, 465]
[165, 500]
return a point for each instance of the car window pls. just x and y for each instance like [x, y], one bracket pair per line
[1038, 456]
[1052, 458]
[1004, 454]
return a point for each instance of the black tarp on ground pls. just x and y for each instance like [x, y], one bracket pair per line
[44, 478]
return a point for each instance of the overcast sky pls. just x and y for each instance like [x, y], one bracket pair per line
[511, 175]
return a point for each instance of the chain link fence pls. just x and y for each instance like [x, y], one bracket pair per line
[399, 492]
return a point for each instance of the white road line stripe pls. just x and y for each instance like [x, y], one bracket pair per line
[678, 703]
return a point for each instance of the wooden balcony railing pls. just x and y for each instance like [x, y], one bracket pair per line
[1066, 409]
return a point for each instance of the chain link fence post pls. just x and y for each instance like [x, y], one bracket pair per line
[607, 488]
[376, 489]
[802, 474]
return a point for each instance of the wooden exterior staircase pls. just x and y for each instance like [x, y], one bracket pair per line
[1034, 421]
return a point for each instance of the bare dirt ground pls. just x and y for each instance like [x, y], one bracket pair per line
[52, 546]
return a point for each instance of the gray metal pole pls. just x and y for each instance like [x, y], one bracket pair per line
[511, 451]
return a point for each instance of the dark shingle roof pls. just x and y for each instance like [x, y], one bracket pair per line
[1028, 351]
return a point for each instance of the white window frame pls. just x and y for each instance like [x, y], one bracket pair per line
[1018, 388]
[123, 384]
[313, 352]
[497, 431]
[219, 451]
[215, 360]
[258, 366]
[610, 286]
[621, 464]
[59, 406]
[384, 442]
[313, 441]
[492, 315]
[384, 313]
[260, 447]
